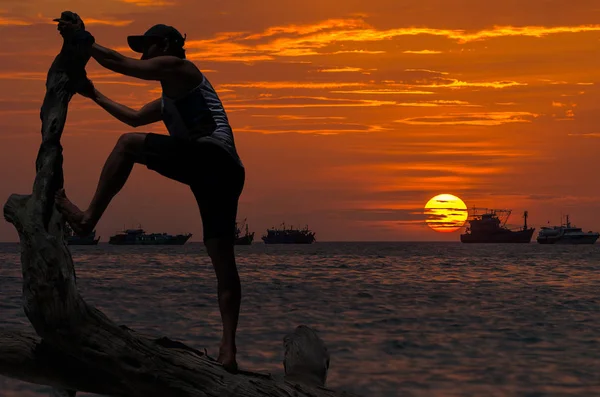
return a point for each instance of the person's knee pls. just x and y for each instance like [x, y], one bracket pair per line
[131, 144]
[221, 250]
[222, 255]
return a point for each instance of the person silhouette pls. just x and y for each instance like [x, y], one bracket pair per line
[199, 150]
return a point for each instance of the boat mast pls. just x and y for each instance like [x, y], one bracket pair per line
[525, 214]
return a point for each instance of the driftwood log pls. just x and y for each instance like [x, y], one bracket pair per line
[78, 348]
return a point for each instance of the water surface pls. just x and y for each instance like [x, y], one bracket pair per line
[399, 319]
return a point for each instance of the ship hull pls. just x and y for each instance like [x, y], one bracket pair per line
[176, 240]
[244, 240]
[293, 240]
[505, 236]
[568, 240]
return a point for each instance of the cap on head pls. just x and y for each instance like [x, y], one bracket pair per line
[136, 43]
[70, 17]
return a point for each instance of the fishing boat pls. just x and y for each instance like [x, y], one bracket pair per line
[289, 236]
[247, 238]
[490, 227]
[140, 237]
[73, 239]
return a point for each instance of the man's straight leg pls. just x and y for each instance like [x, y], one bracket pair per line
[217, 193]
[229, 294]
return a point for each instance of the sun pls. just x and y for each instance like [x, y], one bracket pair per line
[446, 213]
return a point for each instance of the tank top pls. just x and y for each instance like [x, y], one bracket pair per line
[199, 115]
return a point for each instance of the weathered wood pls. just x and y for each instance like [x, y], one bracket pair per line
[306, 358]
[62, 393]
[24, 356]
[81, 348]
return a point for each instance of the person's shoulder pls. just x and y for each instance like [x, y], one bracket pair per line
[179, 67]
[190, 68]
[169, 60]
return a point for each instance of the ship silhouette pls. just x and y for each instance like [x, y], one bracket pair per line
[566, 234]
[490, 227]
[73, 239]
[289, 236]
[247, 238]
[140, 237]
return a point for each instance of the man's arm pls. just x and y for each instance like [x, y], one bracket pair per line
[148, 69]
[149, 113]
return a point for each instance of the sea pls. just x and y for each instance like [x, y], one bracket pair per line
[398, 318]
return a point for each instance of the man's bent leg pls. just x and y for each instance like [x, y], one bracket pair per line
[128, 151]
[222, 254]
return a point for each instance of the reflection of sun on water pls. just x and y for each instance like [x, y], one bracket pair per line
[445, 213]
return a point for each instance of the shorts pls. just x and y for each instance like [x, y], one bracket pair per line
[215, 178]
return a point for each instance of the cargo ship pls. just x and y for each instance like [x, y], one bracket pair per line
[247, 238]
[490, 227]
[289, 236]
[73, 239]
[140, 237]
[566, 234]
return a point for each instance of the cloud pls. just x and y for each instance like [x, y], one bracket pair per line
[422, 52]
[43, 19]
[358, 30]
[425, 71]
[482, 119]
[528, 31]
[8, 21]
[296, 117]
[313, 129]
[455, 84]
[108, 22]
[427, 80]
[382, 91]
[438, 169]
[586, 135]
[356, 52]
[410, 215]
[436, 103]
[325, 37]
[302, 102]
[149, 3]
[345, 69]
[488, 153]
[276, 85]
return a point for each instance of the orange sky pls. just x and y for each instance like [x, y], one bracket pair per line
[349, 115]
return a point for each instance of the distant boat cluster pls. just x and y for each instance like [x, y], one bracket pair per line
[486, 227]
[490, 227]
[139, 236]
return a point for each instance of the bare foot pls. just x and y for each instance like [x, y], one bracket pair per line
[79, 221]
[227, 359]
